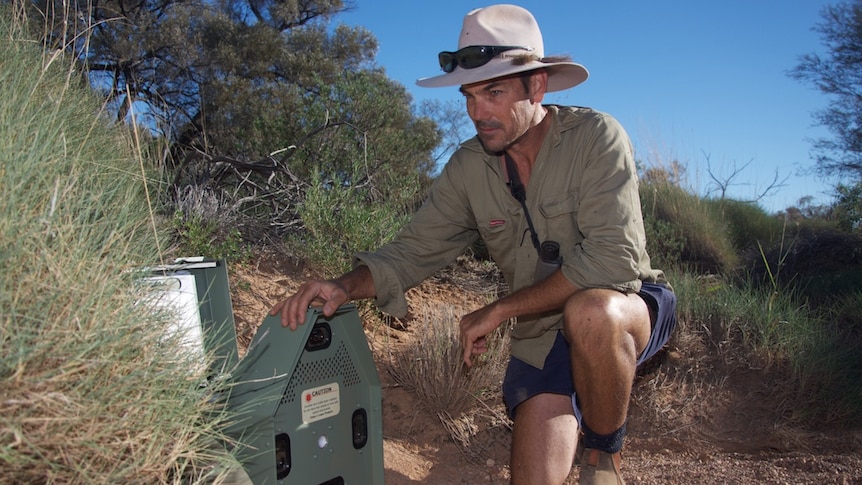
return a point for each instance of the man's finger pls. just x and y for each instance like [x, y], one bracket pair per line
[277, 308]
[468, 354]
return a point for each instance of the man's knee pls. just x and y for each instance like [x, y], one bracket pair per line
[596, 319]
[590, 313]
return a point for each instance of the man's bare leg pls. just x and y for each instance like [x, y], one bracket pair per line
[606, 330]
[544, 440]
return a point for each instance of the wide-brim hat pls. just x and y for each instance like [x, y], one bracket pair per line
[507, 25]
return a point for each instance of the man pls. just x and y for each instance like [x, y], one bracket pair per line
[582, 330]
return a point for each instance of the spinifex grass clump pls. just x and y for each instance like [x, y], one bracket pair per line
[813, 355]
[91, 391]
[433, 368]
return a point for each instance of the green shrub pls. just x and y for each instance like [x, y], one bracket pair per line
[665, 243]
[91, 388]
[199, 236]
[748, 225]
[340, 221]
[699, 235]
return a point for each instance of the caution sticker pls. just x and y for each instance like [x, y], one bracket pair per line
[320, 403]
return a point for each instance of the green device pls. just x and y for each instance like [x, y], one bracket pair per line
[198, 291]
[308, 404]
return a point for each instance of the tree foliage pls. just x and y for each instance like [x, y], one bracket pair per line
[848, 207]
[838, 73]
[255, 98]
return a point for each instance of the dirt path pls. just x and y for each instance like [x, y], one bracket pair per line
[686, 425]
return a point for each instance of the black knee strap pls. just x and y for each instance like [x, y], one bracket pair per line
[609, 443]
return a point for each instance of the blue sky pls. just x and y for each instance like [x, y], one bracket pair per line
[689, 80]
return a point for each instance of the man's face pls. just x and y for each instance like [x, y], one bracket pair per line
[501, 110]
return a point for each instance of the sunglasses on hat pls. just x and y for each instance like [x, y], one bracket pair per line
[473, 56]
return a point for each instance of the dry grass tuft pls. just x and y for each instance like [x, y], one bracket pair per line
[433, 369]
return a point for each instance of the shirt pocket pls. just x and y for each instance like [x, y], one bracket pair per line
[560, 219]
[498, 235]
[560, 205]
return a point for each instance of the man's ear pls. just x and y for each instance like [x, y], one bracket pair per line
[538, 85]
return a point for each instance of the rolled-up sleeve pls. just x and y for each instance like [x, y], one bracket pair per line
[609, 216]
[437, 234]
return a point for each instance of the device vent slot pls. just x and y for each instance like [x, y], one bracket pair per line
[321, 370]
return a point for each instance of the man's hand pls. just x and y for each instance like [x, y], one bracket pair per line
[328, 294]
[475, 328]
[550, 294]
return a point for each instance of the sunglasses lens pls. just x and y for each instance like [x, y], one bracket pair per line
[474, 56]
[447, 61]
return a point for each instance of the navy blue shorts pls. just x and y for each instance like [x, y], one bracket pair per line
[524, 381]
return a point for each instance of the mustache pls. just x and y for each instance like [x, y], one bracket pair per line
[480, 125]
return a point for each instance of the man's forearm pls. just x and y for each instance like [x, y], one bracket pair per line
[358, 283]
[549, 295]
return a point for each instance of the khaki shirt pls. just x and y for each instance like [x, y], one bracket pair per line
[582, 193]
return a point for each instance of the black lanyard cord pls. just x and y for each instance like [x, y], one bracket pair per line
[519, 192]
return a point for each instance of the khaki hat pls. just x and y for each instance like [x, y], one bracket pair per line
[515, 28]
